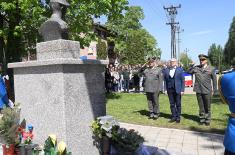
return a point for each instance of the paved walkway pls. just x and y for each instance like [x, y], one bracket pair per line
[177, 142]
[180, 142]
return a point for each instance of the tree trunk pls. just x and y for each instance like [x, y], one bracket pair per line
[14, 47]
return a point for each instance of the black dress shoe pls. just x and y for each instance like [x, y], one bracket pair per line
[201, 123]
[156, 116]
[151, 116]
[177, 121]
[172, 120]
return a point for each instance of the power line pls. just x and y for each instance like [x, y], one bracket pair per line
[155, 10]
[172, 10]
[168, 18]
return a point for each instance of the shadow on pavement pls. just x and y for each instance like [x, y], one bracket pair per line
[212, 130]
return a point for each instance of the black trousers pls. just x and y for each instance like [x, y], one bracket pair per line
[204, 103]
[175, 103]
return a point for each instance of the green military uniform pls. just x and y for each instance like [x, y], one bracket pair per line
[203, 89]
[152, 85]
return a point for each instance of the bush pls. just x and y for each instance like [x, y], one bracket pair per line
[9, 124]
[104, 126]
[126, 142]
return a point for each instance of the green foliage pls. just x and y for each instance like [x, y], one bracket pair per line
[215, 54]
[19, 25]
[104, 126]
[101, 49]
[9, 124]
[132, 43]
[96, 129]
[50, 147]
[185, 60]
[229, 50]
[123, 140]
[21, 19]
[127, 141]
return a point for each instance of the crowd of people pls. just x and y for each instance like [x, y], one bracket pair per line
[125, 78]
[155, 77]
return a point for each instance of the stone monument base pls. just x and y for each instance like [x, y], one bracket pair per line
[56, 49]
[62, 97]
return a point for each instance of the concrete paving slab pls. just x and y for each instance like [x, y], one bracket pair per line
[190, 146]
[183, 142]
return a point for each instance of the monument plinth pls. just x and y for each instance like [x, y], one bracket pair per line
[61, 94]
[58, 49]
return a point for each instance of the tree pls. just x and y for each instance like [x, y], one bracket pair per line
[215, 54]
[21, 19]
[185, 60]
[229, 50]
[101, 49]
[132, 43]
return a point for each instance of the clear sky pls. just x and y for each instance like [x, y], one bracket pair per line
[204, 22]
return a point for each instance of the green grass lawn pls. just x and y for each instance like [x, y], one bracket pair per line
[132, 108]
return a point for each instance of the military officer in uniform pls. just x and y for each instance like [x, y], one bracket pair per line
[204, 76]
[152, 84]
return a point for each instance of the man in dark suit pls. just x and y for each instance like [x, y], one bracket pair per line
[204, 76]
[174, 79]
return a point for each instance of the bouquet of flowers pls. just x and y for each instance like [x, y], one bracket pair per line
[23, 135]
[104, 126]
[51, 148]
[127, 141]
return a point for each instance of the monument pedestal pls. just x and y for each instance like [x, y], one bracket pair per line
[61, 96]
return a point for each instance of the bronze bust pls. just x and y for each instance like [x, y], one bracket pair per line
[55, 27]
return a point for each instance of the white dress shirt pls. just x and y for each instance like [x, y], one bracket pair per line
[172, 72]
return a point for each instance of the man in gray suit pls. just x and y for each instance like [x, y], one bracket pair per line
[152, 84]
[204, 76]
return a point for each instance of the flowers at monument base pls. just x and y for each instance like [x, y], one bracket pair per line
[23, 135]
[51, 148]
[61, 147]
[104, 126]
[127, 141]
[123, 141]
[53, 138]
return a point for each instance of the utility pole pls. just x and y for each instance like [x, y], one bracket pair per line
[178, 30]
[172, 10]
